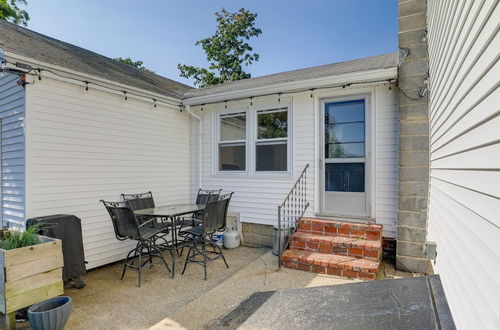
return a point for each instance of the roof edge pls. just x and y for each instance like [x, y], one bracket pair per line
[78, 75]
[368, 76]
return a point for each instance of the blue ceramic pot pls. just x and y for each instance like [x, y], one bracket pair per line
[50, 314]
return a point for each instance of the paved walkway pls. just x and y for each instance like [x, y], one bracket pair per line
[261, 275]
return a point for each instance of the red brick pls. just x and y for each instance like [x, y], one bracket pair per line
[333, 271]
[305, 227]
[350, 273]
[343, 231]
[318, 269]
[325, 248]
[367, 276]
[340, 250]
[303, 258]
[357, 233]
[317, 228]
[312, 246]
[298, 244]
[374, 254]
[355, 251]
[305, 267]
[372, 234]
[331, 231]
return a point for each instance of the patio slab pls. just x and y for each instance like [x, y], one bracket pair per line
[108, 303]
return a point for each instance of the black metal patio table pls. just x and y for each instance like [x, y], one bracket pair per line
[170, 213]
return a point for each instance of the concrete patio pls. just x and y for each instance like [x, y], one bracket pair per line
[182, 302]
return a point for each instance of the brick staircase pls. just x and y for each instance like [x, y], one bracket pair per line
[338, 248]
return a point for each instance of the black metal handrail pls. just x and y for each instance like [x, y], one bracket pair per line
[291, 211]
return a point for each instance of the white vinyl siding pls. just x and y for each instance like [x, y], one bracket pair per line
[257, 195]
[84, 146]
[386, 159]
[12, 102]
[464, 111]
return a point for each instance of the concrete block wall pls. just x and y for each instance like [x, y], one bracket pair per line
[255, 234]
[413, 138]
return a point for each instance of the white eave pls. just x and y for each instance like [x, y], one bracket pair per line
[368, 76]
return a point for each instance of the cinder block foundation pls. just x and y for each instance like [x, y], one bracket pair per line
[255, 234]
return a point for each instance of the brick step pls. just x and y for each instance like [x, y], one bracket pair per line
[330, 264]
[340, 228]
[346, 246]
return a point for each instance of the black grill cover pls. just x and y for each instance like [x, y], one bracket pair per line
[68, 229]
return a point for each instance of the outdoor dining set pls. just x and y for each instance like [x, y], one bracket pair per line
[171, 228]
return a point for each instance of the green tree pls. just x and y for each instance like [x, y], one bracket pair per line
[227, 50]
[10, 11]
[137, 64]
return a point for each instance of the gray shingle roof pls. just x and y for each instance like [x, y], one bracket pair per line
[368, 63]
[27, 43]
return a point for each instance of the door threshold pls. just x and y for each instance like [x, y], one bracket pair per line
[344, 217]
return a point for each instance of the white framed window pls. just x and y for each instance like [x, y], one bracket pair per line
[272, 152]
[232, 142]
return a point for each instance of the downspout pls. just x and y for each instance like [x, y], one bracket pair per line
[187, 107]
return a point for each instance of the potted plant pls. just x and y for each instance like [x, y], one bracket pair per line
[30, 270]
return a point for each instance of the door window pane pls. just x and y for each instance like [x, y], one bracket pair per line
[232, 157]
[344, 150]
[354, 132]
[271, 157]
[348, 177]
[345, 129]
[345, 112]
[272, 124]
[233, 127]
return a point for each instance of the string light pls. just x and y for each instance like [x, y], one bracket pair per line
[38, 73]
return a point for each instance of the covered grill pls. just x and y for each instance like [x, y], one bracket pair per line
[68, 229]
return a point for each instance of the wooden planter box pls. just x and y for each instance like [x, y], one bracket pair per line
[29, 275]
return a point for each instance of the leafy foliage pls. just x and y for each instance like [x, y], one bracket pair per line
[10, 11]
[137, 64]
[227, 50]
[17, 239]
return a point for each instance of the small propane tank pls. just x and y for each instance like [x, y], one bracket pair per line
[231, 238]
[218, 238]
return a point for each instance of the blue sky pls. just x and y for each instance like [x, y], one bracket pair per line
[296, 34]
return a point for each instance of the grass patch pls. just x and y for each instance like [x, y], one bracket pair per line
[18, 239]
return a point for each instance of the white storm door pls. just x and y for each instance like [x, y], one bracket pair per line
[344, 185]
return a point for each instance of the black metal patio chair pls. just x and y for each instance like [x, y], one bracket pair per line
[202, 198]
[142, 201]
[126, 226]
[201, 237]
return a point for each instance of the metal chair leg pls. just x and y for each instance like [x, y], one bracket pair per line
[204, 253]
[139, 269]
[187, 257]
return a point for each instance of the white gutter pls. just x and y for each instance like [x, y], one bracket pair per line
[321, 82]
[187, 107]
